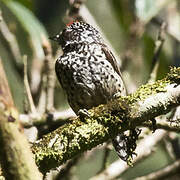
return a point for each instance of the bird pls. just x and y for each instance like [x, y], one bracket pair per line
[88, 72]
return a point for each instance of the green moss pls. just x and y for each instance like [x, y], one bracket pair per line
[159, 86]
[47, 159]
[149, 89]
[174, 75]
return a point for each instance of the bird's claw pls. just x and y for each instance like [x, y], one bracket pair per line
[83, 113]
[117, 95]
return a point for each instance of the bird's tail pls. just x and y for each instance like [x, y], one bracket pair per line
[125, 145]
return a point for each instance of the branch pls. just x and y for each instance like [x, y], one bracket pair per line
[106, 121]
[11, 40]
[27, 88]
[49, 67]
[16, 158]
[158, 46]
[162, 173]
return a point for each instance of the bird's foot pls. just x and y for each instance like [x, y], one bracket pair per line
[117, 95]
[83, 113]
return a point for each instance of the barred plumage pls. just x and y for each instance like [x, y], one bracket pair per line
[87, 71]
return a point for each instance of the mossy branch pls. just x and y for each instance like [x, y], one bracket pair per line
[106, 121]
[15, 155]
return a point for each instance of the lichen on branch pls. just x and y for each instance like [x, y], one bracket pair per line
[106, 121]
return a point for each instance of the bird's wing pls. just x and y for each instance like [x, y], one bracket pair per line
[109, 55]
[111, 59]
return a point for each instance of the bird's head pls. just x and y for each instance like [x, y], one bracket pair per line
[77, 32]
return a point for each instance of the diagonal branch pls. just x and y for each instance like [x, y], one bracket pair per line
[163, 173]
[106, 121]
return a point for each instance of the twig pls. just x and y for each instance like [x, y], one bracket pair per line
[168, 145]
[158, 21]
[165, 125]
[11, 39]
[163, 173]
[58, 118]
[27, 87]
[105, 157]
[158, 46]
[43, 95]
[50, 73]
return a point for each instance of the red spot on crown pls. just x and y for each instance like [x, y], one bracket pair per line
[70, 23]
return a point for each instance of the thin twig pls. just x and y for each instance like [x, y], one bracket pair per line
[50, 73]
[58, 118]
[42, 99]
[106, 155]
[166, 126]
[168, 145]
[158, 46]
[27, 88]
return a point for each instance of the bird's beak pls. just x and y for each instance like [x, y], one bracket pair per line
[54, 38]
